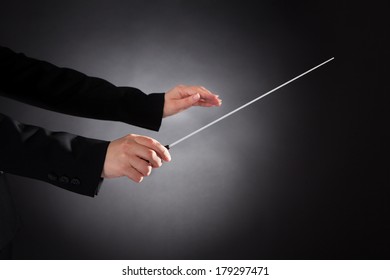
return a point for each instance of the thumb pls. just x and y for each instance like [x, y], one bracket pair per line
[187, 102]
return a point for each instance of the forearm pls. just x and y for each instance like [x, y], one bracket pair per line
[68, 91]
[65, 160]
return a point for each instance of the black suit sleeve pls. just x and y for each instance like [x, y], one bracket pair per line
[64, 90]
[71, 162]
[65, 160]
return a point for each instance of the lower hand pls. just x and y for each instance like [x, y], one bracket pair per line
[133, 156]
[183, 97]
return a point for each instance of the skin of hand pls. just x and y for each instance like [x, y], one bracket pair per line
[134, 156]
[182, 97]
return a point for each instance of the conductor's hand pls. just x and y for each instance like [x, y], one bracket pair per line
[133, 156]
[183, 97]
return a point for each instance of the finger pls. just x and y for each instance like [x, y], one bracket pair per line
[186, 90]
[187, 102]
[148, 155]
[140, 150]
[133, 174]
[203, 104]
[208, 96]
[154, 145]
[142, 166]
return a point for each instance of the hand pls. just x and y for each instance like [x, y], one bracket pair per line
[183, 97]
[133, 156]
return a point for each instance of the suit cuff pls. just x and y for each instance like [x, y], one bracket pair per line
[84, 177]
[142, 110]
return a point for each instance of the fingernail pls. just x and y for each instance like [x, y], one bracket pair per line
[196, 96]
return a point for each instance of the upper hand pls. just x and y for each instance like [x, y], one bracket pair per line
[182, 97]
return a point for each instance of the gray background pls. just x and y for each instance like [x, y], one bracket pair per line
[291, 177]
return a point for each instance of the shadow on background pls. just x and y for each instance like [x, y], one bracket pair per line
[294, 176]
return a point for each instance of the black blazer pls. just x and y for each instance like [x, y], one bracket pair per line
[65, 160]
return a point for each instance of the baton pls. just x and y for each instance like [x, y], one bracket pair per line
[245, 105]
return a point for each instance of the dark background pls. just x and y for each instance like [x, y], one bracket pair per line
[297, 175]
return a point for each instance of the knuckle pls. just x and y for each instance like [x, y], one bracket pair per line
[150, 141]
[145, 140]
[129, 140]
[150, 154]
[126, 146]
[130, 136]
